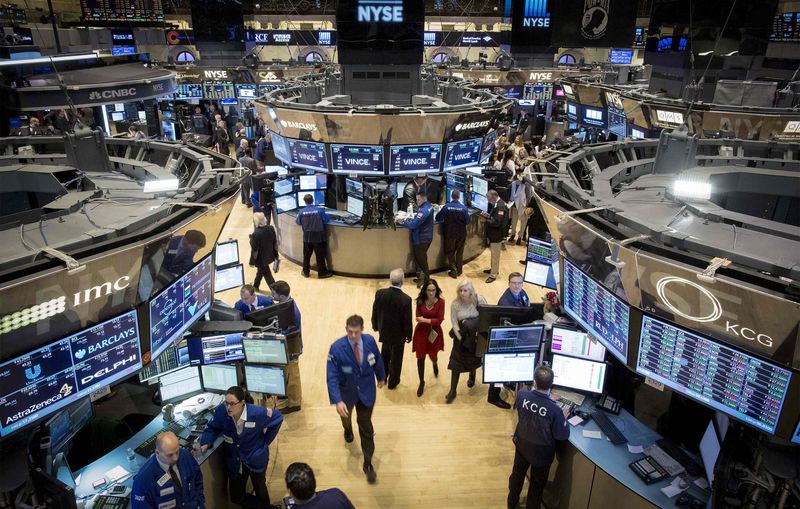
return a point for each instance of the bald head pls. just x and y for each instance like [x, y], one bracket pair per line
[396, 277]
[167, 448]
[492, 196]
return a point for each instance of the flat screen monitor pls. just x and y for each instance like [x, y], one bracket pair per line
[597, 310]
[142, 115]
[479, 186]
[488, 146]
[580, 374]
[117, 117]
[180, 384]
[357, 159]
[220, 312]
[355, 206]
[214, 349]
[218, 377]
[282, 312]
[493, 316]
[621, 56]
[576, 343]
[456, 180]
[226, 253]
[66, 423]
[186, 91]
[542, 251]
[508, 367]
[119, 107]
[515, 339]
[173, 358]
[51, 377]
[265, 351]
[318, 196]
[265, 379]
[308, 154]
[480, 202]
[796, 436]
[313, 182]
[733, 382]
[462, 199]
[285, 203]
[542, 274]
[219, 91]
[58, 494]
[461, 154]
[413, 159]
[281, 148]
[638, 134]
[353, 187]
[179, 305]
[709, 451]
[228, 277]
[246, 91]
[284, 186]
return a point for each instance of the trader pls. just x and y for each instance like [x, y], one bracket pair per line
[250, 301]
[302, 486]
[200, 124]
[264, 144]
[541, 423]
[313, 219]
[169, 478]
[245, 161]
[456, 218]
[421, 226]
[247, 431]
[496, 226]
[391, 317]
[294, 391]
[354, 364]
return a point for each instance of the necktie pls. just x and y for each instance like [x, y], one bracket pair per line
[357, 354]
[176, 479]
[252, 307]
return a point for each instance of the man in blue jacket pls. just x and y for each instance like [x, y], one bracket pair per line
[456, 219]
[354, 364]
[294, 392]
[250, 301]
[169, 478]
[421, 226]
[302, 486]
[514, 296]
[315, 237]
[247, 431]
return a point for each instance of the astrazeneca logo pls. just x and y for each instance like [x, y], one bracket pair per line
[535, 14]
[595, 18]
[298, 125]
[472, 125]
[112, 94]
[792, 127]
[380, 11]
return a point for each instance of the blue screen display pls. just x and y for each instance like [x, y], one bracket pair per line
[479, 202]
[213, 349]
[281, 148]
[40, 382]
[404, 159]
[308, 154]
[123, 50]
[621, 56]
[461, 154]
[488, 146]
[357, 159]
[284, 186]
[189, 91]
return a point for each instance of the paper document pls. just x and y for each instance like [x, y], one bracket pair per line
[592, 434]
[670, 491]
[575, 420]
[116, 473]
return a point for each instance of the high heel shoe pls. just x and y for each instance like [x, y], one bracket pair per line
[420, 389]
[435, 370]
[450, 397]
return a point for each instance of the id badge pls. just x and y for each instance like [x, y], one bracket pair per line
[371, 359]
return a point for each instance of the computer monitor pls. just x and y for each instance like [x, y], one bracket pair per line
[576, 343]
[284, 186]
[545, 275]
[222, 313]
[508, 367]
[516, 338]
[228, 277]
[580, 374]
[414, 159]
[313, 182]
[282, 313]
[480, 186]
[265, 351]
[214, 349]
[479, 201]
[488, 146]
[317, 196]
[540, 250]
[117, 117]
[355, 206]
[226, 253]
[265, 379]
[285, 203]
[353, 187]
[174, 357]
[357, 159]
[66, 423]
[308, 154]
[53, 493]
[280, 147]
[460, 154]
[461, 198]
[494, 316]
[218, 377]
[180, 384]
[709, 451]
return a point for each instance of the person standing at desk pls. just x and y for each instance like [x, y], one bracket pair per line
[263, 249]
[456, 218]
[200, 123]
[302, 486]
[294, 391]
[250, 302]
[171, 477]
[391, 317]
[247, 431]
[354, 366]
[312, 219]
[541, 423]
[421, 226]
[496, 226]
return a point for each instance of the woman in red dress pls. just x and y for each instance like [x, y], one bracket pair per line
[428, 337]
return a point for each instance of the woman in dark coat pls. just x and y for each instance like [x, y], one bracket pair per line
[263, 249]
[464, 317]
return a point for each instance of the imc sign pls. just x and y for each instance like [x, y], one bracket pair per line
[380, 11]
[535, 14]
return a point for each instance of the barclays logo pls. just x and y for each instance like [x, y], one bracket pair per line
[298, 125]
[472, 125]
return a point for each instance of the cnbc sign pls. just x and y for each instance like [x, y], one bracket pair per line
[535, 14]
[380, 11]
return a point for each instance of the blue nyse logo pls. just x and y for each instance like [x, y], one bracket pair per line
[385, 11]
[535, 14]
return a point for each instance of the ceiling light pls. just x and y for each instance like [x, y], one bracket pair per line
[688, 189]
[161, 186]
[705, 53]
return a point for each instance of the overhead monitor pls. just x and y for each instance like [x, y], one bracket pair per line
[488, 146]
[709, 451]
[597, 310]
[546, 275]
[576, 343]
[280, 314]
[308, 154]
[226, 253]
[214, 349]
[246, 91]
[318, 198]
[218, 377]
[461, 154]
[281, 147]
[180, 384]
[66, 423]
[117, 117]
[219, 90]
[456, 180]
[572, 110]
[313, 182]
[621, 56]
[179, 305]
[284, 186]
[187, 91]
[742, 386]
[412, 159]
[47, 379]
[265, 351]
[265, 379]
[173, 358]
[479, 202]
[226, 278]
[580, 374]
[508, 367]
[285, 203]
[479, 185]
[353, 187]
[355, 206]
[516, 338]
[357, 159]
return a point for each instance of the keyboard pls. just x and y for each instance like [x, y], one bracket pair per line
[672, 467]
[569, 397]
[148, 447]
[606, 426]
[675, 452]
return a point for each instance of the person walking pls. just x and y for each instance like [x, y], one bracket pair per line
[428, 336]
[263, 249]
[464, 319]
[391, 318]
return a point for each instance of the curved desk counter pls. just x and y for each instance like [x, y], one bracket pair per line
[353, 251]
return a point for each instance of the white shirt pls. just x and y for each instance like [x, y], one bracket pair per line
[241, 421]
[165, 467]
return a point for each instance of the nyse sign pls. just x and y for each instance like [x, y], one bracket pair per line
[380, 11]
[535, 14]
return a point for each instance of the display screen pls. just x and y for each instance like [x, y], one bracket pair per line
[180, 383]
[515, 339]
[480, 186]
[455, 180]
[285, 203]
[580, 374]
[318, 196]
[576, 343]
[226, 253]
[796, 437]
[355, 206]
[186, 91]
[353, 187]
[284, 186]
[725, 379]
[265, 379]
[542, 251]
[123, 50]
[213, 349]
[621, 56]
[178, 306]
[542, 274]
[488, 146]
[246, 91]
[509, 367]
[265, 351]
[357, 159]
[281, 148]
[461, 154]
[308, 154]
[118, 10]
[38, 383]
[313, 182]
[461, 197]
[65, 424]
[117, 117]
[479, 202]
[218, 378]
[593, 116]
[638, 134]
[786, 27]
[229, 277]
[598, 310]
[409, 159]
[669, 117]
[216, 91]
[173, 358]
[572, 110]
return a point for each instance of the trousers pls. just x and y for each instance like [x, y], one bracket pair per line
[420, 252]
[495, 248]
[365, 430]
[392, 354]
[535, 486]
[237, 487]
[294, 390]
[454, 249]
[319, 249]
[263, 272]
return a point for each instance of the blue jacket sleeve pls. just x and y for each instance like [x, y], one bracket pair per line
[273, 425]
[325, 218]
[297, 219]
[197, 481]
[334, 393]
[380, 369]
[141, 497]
[213, 428]
[419, 218]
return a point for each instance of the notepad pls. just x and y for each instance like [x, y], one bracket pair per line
[575, 420]
[592, 434]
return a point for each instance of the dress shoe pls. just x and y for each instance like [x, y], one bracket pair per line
[499, 403]
[503, 246]
[470, 383]
[304, 274]
[491, 279]
[391, 387]
[417, 280]
[325, 276]
[452, 274]
[420, 389]
[450, 397]
[348, 436]
[487, 271]
[519, 242]
[290, 409]
[522, 262]
[511, 239]
[436, 370]
[371, 475]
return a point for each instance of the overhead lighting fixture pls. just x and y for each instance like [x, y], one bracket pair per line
[47, 60]
[690, 189]
[734, 52]
[161, 186]
[705, 53]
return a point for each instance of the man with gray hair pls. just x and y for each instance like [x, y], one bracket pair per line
[391, 317]
[169, 478]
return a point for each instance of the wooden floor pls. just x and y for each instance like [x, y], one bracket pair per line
[428, 454]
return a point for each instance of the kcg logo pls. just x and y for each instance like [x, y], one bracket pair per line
[298, 125]
[472, 125]
[112, 94]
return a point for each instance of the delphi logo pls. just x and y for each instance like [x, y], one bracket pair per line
[472, 125]
[110, 369]
[298, 125]
[112, 94]
[384, 11]
[595, 18]
[536, 15]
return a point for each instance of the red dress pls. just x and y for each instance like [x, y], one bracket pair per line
[421, 344]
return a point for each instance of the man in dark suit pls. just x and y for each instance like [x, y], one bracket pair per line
[391, 317]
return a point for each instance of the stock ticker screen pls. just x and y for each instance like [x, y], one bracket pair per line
[725, 379]
[49, 378]
[307, 154]
[122, 10]
[598, 310]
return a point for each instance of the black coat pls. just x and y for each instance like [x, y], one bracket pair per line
[391, 315]
[263, 246]
[497, 224]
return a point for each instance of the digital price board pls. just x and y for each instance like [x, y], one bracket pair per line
[357, 159]
[461, 154]
[411, 159]
[307, 154]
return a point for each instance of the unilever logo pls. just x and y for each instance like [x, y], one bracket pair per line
[535, 14]
[80, 354]
[33, 372]
[380, 11]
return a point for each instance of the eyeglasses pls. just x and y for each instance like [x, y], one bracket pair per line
[234, 403]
